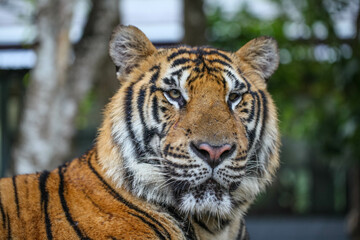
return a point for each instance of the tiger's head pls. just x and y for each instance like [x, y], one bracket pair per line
[191, 128]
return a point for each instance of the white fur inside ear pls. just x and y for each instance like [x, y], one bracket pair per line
[262, 54]
[268, 59]
[128, 46]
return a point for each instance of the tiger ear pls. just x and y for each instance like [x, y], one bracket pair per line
[261, 54]
[128, 46]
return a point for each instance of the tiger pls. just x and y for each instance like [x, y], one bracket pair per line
[187, 143]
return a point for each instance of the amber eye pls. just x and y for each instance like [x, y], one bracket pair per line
[233, 97]
[174, 94]
[175, 97]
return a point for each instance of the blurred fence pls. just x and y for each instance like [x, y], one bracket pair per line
[12, 91]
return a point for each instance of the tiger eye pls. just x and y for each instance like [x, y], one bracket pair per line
[234, 96]
[174, 94]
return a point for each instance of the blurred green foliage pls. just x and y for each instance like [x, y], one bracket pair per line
[316, 89]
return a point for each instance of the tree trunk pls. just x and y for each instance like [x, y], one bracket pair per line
[194, 23]
[90, 54]
[33, 151]
[354, 213]
[54, 92]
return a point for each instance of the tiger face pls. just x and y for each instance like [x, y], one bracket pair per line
[191, 128]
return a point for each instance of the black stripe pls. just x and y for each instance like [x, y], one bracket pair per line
[155, 76]
[223, 81]
[148, 133]
[175, 155]
[44, 202]
[237, 83]
[250, 136]
[203, 225]
[236, 168]
[153, 89]
[180, 61]
[265, 113]
[8, 227]
[150, 160]
[242, 86]
[192, 78]
[245, 79]
[65, 207]
[211, 69]
[214, 51]
[155, 109]
[180, 71]
[220, 62]
[239, 235]
[222, 223]
[2, 213]
[182, 166]
[184, 222]
[258, 112]
[166, 150]
[198, 51]
[242, 233]
[148, 136]
[175, 54]
[16, 196]
[241, 158]
[177, 184]
[140, 105]
[129, 176]
[156, 67]
[252, 110]
[252, 133]
[231, 75]
[152, 226]
[140, 102]
[170, 81]
[118, 197]
[129, 112]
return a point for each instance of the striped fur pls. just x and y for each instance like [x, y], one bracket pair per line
[147, 177]
[76, 202]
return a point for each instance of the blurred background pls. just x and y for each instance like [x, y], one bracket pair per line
[56, 77]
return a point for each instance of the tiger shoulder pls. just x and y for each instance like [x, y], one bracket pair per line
[187, 143]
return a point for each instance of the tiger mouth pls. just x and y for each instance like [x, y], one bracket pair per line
[209, 188]
[210, 184]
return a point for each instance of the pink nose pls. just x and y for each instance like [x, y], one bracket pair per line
[214, 151]
[213, 155]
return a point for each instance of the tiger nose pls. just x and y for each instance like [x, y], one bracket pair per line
[213, 155]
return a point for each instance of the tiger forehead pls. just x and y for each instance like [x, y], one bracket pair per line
[200, 67]
[198, 53]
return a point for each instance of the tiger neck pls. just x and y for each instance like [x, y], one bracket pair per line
[214, 228]
[208, 228]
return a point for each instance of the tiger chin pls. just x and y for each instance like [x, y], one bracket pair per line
[187, 142]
